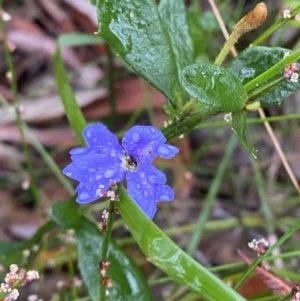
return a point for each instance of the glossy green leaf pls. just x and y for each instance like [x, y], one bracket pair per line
[173, 15]
[214, 86]
[252, 62]
[240, 129]
[136, 32]
[128, 281]
[169, 257]
[66, 214]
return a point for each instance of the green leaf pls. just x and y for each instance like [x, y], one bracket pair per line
[173, 15]
[199, 40]
[169, 257]
[136, 32]
[78, 39]
[72, 109]
[214, 86]
[129, 282]
[88, 242]
[6, 247]
[252, 62]
[12, 251]
[240, 130]
[66, 214]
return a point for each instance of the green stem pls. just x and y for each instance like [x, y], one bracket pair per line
[192, 115]
[257, 81]
[233, 38]
[264, 88]
[14, 90]
[105, 245]
[274, 27]
[210, 198]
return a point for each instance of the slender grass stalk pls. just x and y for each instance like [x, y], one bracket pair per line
[274, 27]
[13, 86]
[44, 154]
[210, 198]
[265, 206]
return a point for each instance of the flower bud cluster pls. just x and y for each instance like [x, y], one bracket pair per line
[287, 14]
[291, 71]
[106, 281]
[13, 280]
[260, 246]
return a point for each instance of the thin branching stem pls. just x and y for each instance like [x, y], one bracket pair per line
[11, 75]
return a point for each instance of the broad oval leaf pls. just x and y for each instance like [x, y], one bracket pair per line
[170, 258]
[214, 86]
[134, 29]
[252, 62]
[129, 282]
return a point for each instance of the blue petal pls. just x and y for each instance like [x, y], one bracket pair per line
[94, 171]
[153, 175]
[146, 187]
[164, 193]
[139, 137]
[89, 192]
[100, 139]
[145, 143]
[87, 167]
[165, 151]
[142, 192]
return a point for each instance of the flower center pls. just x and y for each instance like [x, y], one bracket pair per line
[130, 163]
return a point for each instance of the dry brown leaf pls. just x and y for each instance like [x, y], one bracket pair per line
[48, 108]
[18, 23]
[41, 45]
[49, 138]
[55, 12]
[274, 282]
[129, 97]
[85, 8]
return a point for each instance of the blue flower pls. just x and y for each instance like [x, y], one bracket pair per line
[105, 162]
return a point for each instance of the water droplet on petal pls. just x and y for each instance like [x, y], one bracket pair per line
[163, 150]
[153, 130]
[77, 151]
[83, 196]
[145, 193]
[109, 173]
[164, 197]
[152, 178]
[135, 136]
[91, 169]
[137, 186]
[88, 133]
[98, 177]
[113, 153]
[69, 173]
